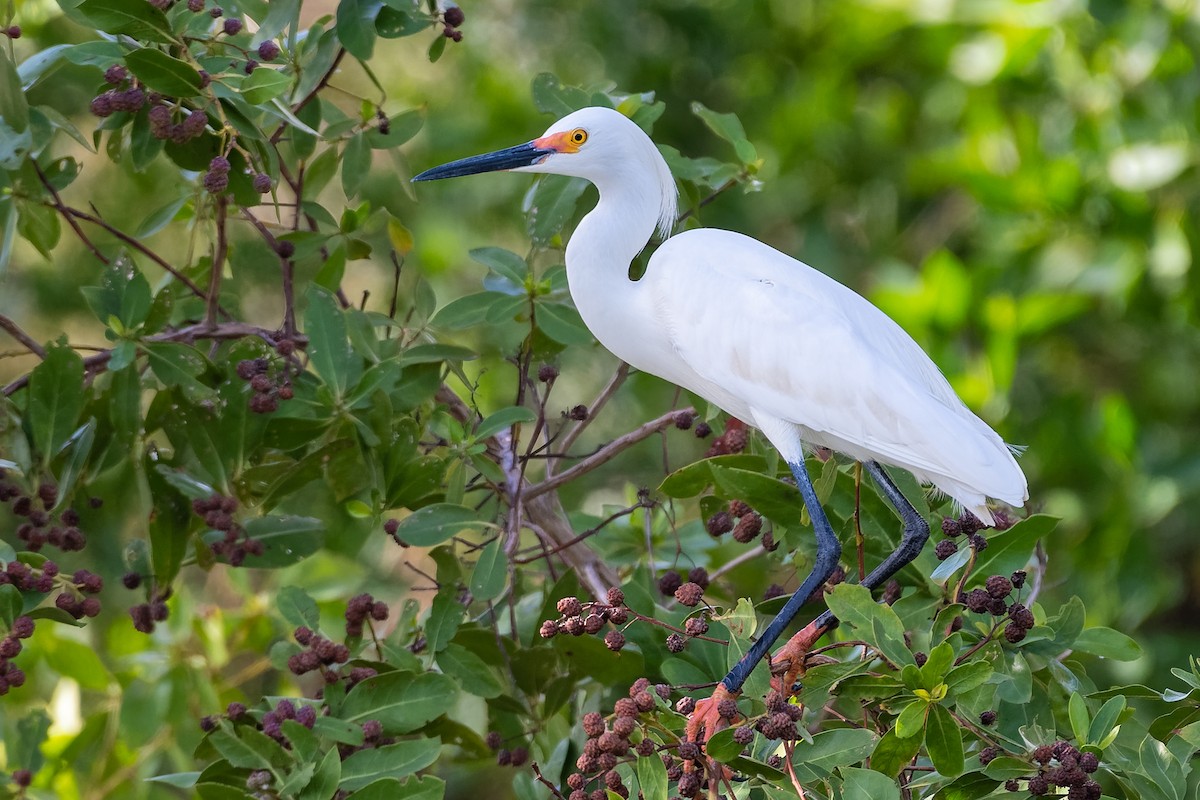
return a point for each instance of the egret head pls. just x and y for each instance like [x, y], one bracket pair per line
[597, 144]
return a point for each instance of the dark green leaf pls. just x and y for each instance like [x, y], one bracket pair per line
[435, 524]
[1105, 720]
[968, 676]
[401, 701]
[245, 747]
[937, 666]
[1080, 718]
[55, 399]
[551, 97]
[1107, 643]
[177, 364]
[876, 623]
[894, 753]
[325, 780]
[264, 85]
[162, 73]
[392, 761]
[11, 604]
[298, 608]
[445, 615]
[652, 777]
[911, 720]
[133, 17]
[943, 740]
[14, 109]
[356, 163]
[504, 418]
[835, 748]
[722, 747]
[286, 539]
[491, 571]
[563, 324]
[356, 26]
[1011, 549]
[470, 670]
[867, 784]
[503, 262]
[329, 348]
[551, 204]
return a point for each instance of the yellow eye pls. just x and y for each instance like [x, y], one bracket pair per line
[578, 136]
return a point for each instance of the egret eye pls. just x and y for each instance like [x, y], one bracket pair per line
[578, 136]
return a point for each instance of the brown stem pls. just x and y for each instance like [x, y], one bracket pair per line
[21, 336]
[581, 537]
[141, 248]
[607, 392]
[308, 98]
[287, 271]
[62, 209]
[604, 454]
[218, 265]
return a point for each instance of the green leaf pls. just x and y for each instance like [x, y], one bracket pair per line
[721, 747]
[177, 364]
[491, 571]
[445, 616]
[729, 128]
[55, 399]
[77, 660]
[504, 418]
[436, 523]
[551, 97]
[325, 780]
[968, 676]
[356, 26]
[867, 784]
[162, 73]
[937, 666]
[912, 719]
[135, 18]
[286, 540]
[264, 85]
[652, 777]
[943, 740]
[401, 701]
[1105, 720]
[467, 312]
[1080, 719]
[832, 749]
[470, 670]
[298, 608]
[14, 108]
[563, 324]
[79, 446]
[1107, 643]
[878, 624]
[11, 604]
[356, 163]
[1006, 767]
[550, 205]
[893, 753]
[329, 348]
[503, 262]
[1010, 550]
[392, 761]
[247, 748]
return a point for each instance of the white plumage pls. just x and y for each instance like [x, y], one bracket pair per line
[765, 337]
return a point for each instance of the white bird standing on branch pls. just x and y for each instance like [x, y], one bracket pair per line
[766, 338]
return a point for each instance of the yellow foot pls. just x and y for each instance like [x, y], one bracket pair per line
[789, 662]
[706, 720]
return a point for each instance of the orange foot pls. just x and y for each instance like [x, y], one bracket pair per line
[789, 662]
[707, 717]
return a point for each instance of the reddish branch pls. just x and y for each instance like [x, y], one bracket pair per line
[14, 330]
[62, 209]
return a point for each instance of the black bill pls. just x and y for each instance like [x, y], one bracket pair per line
[523, 155]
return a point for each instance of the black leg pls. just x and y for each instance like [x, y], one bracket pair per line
[916, 534]
[829, 550]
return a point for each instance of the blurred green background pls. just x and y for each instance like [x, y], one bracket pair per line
[1014, 182]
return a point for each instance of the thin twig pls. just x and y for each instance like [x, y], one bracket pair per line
[141, 248]
[581, 537]
[286, 271]
[14, 330]
[218, 265]
[604, 454]
[62, 209]
[537, 773]
[308, 98]
[736, 562]
[607, 392]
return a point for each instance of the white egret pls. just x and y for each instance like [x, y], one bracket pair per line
[765, 337]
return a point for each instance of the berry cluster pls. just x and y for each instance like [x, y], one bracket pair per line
[41, 528]
[744, 521]
[506, 757]
[362, 608]
[967, 525]
[146, 615]
[733, 440]
[452, 19]
[217, 512]
[163, 124]
[609, 744]
[74, 598]
[269, 386]
[12, 676]
[1059, 765]
[216, 179]
[993, 599]
[321, 654]
[579, 618]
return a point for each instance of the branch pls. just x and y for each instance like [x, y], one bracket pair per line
[607, 392]
[286, 270]
[218, 265]
[66, 214]
[308, 98]
[141, 248]
[21, 336]
[229, 330]
[605, 454]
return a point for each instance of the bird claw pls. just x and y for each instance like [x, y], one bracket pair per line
[789, 662]
[705, 721]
